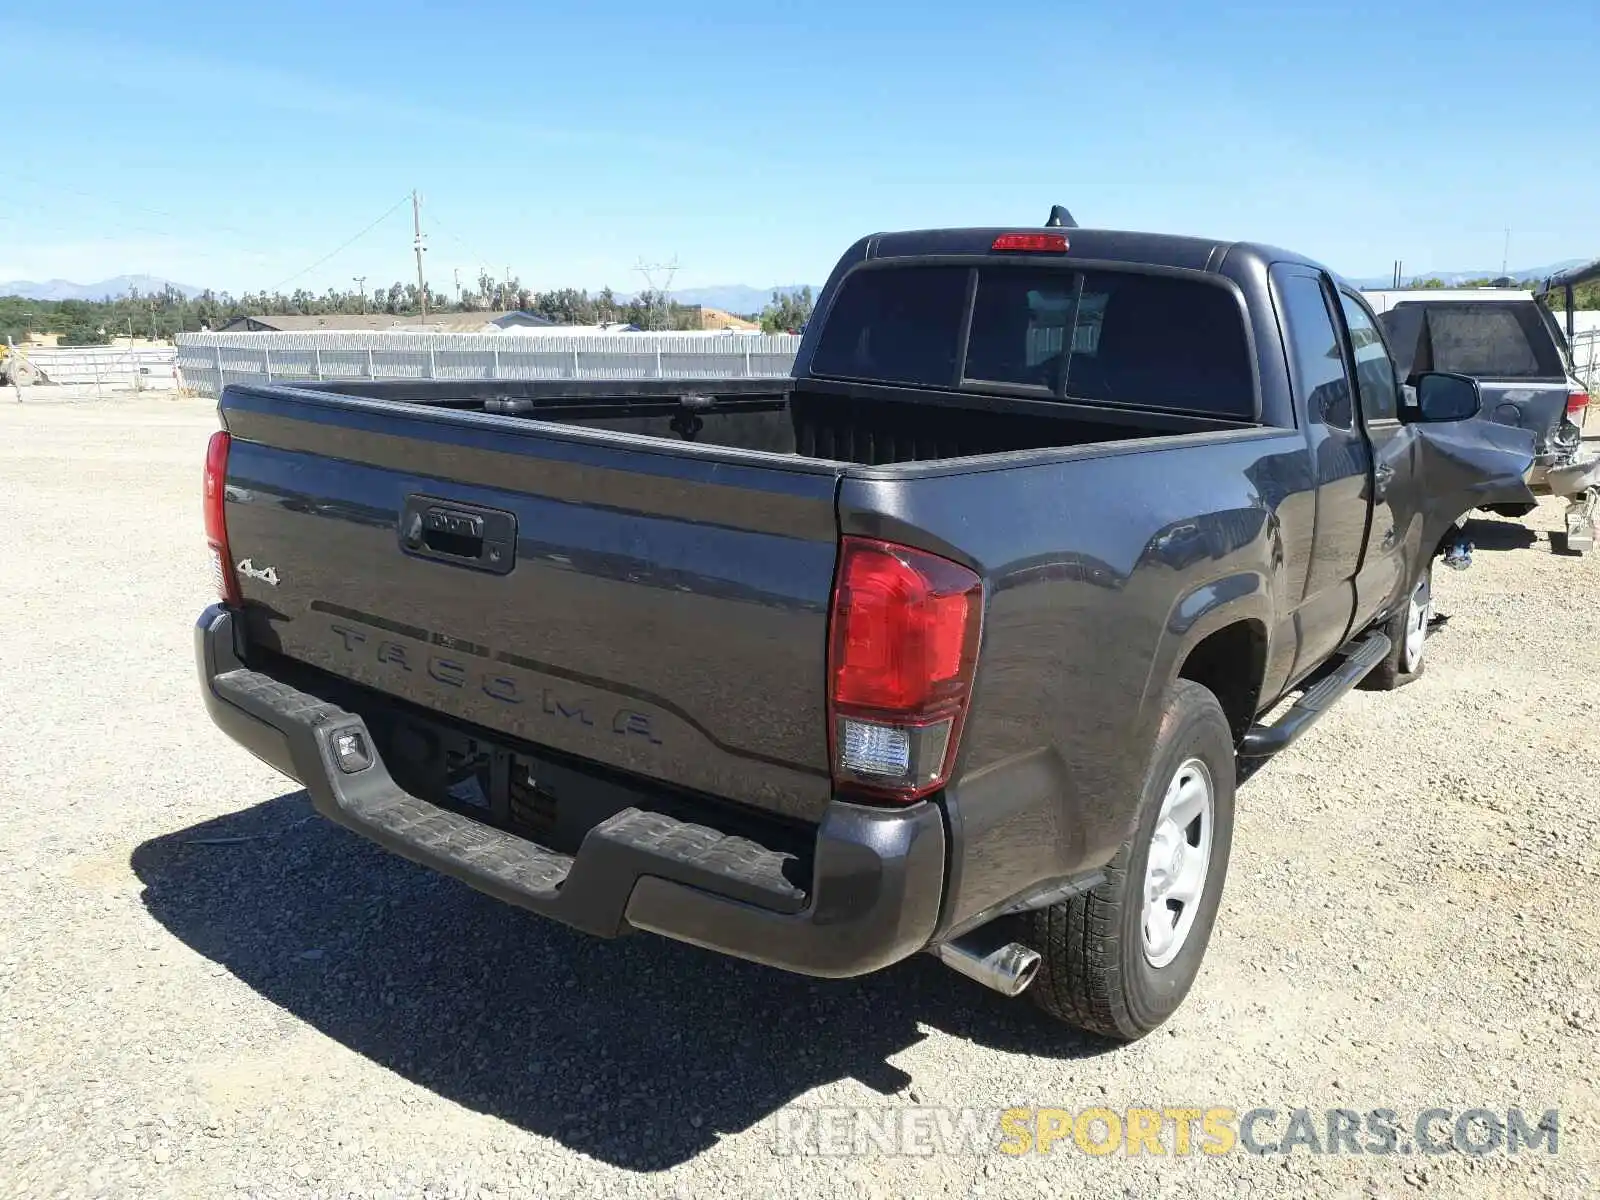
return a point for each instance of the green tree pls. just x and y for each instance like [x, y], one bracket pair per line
[18, 318]
[1585, 296]
[167, 312]
[788, 312]
[83, 335]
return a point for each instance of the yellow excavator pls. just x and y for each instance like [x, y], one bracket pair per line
[15, 369]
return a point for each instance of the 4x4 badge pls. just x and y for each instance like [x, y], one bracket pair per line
[267, 575]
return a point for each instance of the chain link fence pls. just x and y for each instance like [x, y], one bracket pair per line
[102, 366]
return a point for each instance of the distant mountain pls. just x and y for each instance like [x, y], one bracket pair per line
[735, 297]
[65, 289]
[1455, 277]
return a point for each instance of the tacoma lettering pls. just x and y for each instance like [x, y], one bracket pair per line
[503, 689]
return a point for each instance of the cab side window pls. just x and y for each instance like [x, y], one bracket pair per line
[1318, 358]
[1375, 377]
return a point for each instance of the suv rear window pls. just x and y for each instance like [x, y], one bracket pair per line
[1116, 337]
[1504, 339]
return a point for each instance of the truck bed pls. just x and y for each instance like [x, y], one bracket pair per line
[661, 606]
[835, 423]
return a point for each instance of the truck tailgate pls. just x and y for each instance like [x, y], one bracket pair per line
[656, 607]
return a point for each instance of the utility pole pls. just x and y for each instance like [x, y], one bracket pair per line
[416, 225]
[361, 284]
[1505, 255]
[505, 302]
[457, 271]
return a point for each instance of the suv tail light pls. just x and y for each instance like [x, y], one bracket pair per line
[1577, 404]
[902, 647]
[222, 575]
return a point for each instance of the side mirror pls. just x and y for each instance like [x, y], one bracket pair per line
[1445, 397]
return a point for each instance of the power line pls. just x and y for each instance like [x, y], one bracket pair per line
[473, 253]
[186, 223]
[398, 204]
[441, 227]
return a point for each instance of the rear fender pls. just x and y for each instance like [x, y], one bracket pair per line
[1243, 596]
[1538, 409]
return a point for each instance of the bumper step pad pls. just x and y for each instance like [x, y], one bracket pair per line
[633, 841]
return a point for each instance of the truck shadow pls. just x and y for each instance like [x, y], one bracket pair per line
[637, 1051]
[1492, 534]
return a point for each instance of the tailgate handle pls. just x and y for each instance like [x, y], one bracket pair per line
[466, 535]
[455, 534]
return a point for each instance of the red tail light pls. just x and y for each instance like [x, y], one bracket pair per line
[903, 645]
[1577, 403]
[216, 519]
[1035, 243]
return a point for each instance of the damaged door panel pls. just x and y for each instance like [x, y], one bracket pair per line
[1468, 465]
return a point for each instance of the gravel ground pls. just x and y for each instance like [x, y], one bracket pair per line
[205, 990]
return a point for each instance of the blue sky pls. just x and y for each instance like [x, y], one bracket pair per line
[236, 145]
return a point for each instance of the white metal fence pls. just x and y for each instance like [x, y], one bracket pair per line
[208, 361]
[107, 366]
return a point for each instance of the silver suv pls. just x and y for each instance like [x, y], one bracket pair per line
[1509, 343]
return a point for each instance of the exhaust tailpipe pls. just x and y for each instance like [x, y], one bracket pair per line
[1007, 967]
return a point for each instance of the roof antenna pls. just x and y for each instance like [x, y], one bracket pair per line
[1060, 218]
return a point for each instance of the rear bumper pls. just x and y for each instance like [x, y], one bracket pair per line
[1538, 474]
[877, 877]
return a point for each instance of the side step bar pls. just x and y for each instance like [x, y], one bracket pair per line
[1263, 741]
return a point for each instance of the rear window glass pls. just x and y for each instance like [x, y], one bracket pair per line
[899, 326]
[1153, 340]
[1109, 336]
[1019, 326]
[1490, 341]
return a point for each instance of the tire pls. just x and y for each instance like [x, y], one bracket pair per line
[1099, 969]
[1407, 658]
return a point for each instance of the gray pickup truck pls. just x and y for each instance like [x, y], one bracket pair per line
[953, 642]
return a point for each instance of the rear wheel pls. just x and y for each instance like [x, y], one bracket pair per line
[1119, 960]
[1408, 637]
